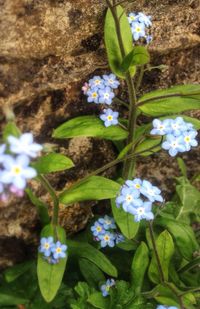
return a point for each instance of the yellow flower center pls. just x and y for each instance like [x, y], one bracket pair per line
[110, 118]
[58, 250]
[94, 95]
[97, 82]
[16, 170]
[138, 29]
[187, 138]
[106, 237]
[137, 186]
[99, 228]
[46, 245]
[129, 198]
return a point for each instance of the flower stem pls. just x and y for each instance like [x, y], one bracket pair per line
[162, 278]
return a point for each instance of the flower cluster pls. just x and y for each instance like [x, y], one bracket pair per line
[179, 135]
[105, 288]
[52, 252]
[136, 197]
[100, 90]
[104, 231]
[15, 167]
[140, 23]
[166, 307]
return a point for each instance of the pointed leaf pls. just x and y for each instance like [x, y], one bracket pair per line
[52, 162]
[138, 56]
[98, 301]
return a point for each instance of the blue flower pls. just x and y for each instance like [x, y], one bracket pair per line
[59, 250]
[138, 30]
[97, 229]
[111, 81]
[106, 95]
[46, 246]
[16, 171]
[93, 95]
[149, 39]
[107, 239]
[107, 223]
[146, 20]
[1, 186]
[132, 17]
[128, 198]
[119, 238]
[109, 117]
[51, 260]
[135, 185]
[166, 307]
[161, 127]
[189, 139]
[178, 126]
[142, 212]
[151, 192]
[2, 152]
[174, 144]
[96, 82]
[24, 145]
[105, 288]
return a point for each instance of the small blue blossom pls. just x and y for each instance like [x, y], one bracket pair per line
[138, 30]
[96, 82]
[109, 117]
[59, 250]
[24, 145]
[151, 192]
[111, 81]
[161, 127]
[16, 171]
[119, 238]
[132, 18]
[107, 223]
[128, 198]
[178, 126]
[145, 19]
[134, 184]
[105, 288]
[166, 307]
[106, 95]
[149, 39]
[174, 144]
[93, 95]
[46, 246]
[107, 239]
[189, 139]
[51, 260]
[97, 229]
[142, 212]
[2, 152]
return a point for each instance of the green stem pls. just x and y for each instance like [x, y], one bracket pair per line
[120, 102]
[140, 77]
[156, 252]
[54, 197]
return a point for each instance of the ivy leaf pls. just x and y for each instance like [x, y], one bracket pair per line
[138, 56]
[52, 162]
[50, 275]
[94, 188]
[170, 101]
[112, 44]
[139, 266]
[165, 248]
[89, 126]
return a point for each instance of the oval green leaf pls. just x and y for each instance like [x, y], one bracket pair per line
[138, 56]
[112, 44]
[94, 188]
[52, 162]
[89, 126]
[49, 275]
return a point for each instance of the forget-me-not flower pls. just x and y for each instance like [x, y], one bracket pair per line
[145, 19]
[166, 307]
[46, 246]
[178, 126]
[142, 212]
[132, 17]
[97, 229]
[96, 82]
[59, 250]
[2, 152]
[93, 95]
[24, 145]
[119, 238]
[161, 127]
[134, 184]
[109, 117]
[128, 198]
[189, 139]
[149, 39]
[174, 144]
[106, 95]
[111, 81]
[107, 239]
[138, 30]
[16, 171]
[105, 288]
[107, 222]
[151, 192]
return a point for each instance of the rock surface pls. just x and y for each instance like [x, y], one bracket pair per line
[48, 49]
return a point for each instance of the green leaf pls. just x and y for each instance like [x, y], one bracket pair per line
[165, 249]
[138, 56]
[42, 208]
[53, 162]
[139, 266]
[121, 294]
[149, 146]
[183, 236]
[92, 274]
[98, 301]
[183, 98]
[10, 129]
[84, 250]
[112, 44]
[90, 126]
[125, 221]
[16, 271]
[9, 299]
[94, 188]
[182, 167]
[49, 275]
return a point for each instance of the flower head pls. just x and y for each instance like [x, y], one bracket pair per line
[105, 288]
[107, 223]
[178, 126]
[119, 238]
[149, 39]
[107, 239]
[151, 192]
[189, 139]
[106, 95]
[46, 245]
[96, 82]
[132, 18]
[24, 145]
[145, 19]
[109, 117]
[59, 250]
[85, 88]
[166, 307]
[97, 229]
[134, 184]
[111, 81]
[142, 212]
[161, 127]
[2, 152]
[128, 198]
[138, 30]
[93, 95]
[174, 144]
